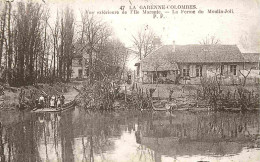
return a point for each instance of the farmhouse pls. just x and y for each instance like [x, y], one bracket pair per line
[188, 64]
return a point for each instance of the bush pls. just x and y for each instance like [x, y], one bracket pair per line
[219, 97]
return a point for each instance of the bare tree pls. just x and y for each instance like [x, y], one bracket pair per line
[46, 44]
[144, 42]
[68, 41]
[95, 34]
[38, 50]
[170, 58]
[149, 43]
[249, 40]
[9, 43]
[56, 58]
[25, 39]
[138, 43]
[209, 40]
[2, 26]
[120, 56]
[245, 75]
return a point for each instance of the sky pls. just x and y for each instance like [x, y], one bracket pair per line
[238, 28]
[182, 28]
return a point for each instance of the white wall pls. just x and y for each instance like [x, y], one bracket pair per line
[75, 72]
[252, 74]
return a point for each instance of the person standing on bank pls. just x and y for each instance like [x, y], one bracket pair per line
[41, 101]
[59, 102]
[62, 100]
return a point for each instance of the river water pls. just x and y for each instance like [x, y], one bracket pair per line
[130, 136]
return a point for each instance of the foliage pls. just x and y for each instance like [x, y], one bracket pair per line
[106, 55]
[100, 95]
[220, 97]
[145, 41]
[36, 47]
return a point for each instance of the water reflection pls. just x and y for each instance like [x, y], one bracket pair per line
[82, 135]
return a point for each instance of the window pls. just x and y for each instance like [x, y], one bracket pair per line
[221, 69]
[198, 70]
[233, 69]
[80, 73]
[186, 72]
[164, 73]
[174, 72]
[80, 61]
[138, 71]
[86, 71]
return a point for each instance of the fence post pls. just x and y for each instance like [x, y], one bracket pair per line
[125, 93]
[158, 93]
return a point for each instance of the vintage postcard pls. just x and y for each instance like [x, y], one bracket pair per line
[129, 81]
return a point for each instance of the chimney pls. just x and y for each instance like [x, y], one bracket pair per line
[173, 46]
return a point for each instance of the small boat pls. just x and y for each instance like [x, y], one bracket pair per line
[163, 105]
[160, 105]
[67, 106]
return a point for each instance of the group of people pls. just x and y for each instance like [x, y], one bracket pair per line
[50, 101]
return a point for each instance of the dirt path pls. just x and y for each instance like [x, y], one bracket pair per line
[69, 96]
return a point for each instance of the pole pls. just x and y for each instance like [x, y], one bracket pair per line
[158, 93]
[125, 93]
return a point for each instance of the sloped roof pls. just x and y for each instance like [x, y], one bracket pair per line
[251, 57]
[165, 58]
[159, 60]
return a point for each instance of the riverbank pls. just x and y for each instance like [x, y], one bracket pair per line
[183, 96]
[197, 96]
[10, 99]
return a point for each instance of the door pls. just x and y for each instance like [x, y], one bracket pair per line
[80, 73]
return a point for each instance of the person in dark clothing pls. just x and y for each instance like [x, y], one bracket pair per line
[58, 102]
[62, 99]
[48, 101]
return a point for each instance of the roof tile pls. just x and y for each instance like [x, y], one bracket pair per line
[165, 59]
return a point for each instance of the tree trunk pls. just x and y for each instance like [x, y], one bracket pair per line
[9, 44]
[3, 18]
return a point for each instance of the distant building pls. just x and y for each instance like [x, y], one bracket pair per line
[188, 64]
[80, 61]
[79, 69]
[105, 63]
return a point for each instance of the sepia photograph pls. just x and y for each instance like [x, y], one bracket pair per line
[129, 81]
